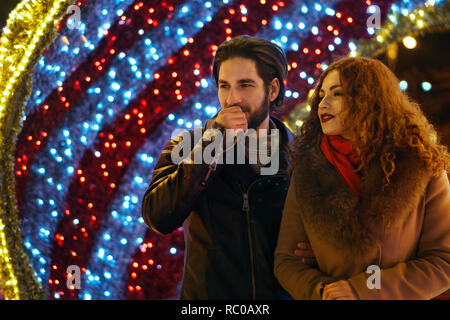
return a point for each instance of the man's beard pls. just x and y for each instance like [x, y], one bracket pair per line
[259, 115]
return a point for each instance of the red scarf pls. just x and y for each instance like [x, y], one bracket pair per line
[344, 158]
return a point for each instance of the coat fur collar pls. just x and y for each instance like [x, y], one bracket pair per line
[335, 212]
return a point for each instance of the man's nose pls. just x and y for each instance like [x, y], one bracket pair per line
[234, 97]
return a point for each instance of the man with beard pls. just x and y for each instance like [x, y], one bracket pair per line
[231, 213]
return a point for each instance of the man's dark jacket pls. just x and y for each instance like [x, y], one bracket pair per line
[231, 218]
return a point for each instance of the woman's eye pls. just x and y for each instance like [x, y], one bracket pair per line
[338, 93]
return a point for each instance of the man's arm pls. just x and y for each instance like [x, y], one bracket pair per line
[175, 188]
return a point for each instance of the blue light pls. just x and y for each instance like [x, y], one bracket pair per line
[330, 12]
[200, 24]
[107, 275]
[185, 9]
[315, 30]
[115, 86]
[123, 241]
[318, 7]
[180, 121]
[304, 9]
[303, 75]
[337, 40]
[330, 47]
[295, 46]
[210, 110]
[40, 202]
[107, 293]
[208, 4]
[138, 179]
[204, 83]
[403, 85]
[171, 117]
[426, 86]
[180, 31]
[301, 25]
[41, 170]
[278, 25]
[107, 237]
[352, 46]
[198, 105]
[173, 250]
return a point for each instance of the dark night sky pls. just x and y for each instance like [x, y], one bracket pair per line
[6, 7]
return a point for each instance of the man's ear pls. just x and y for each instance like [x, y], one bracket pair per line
[274, 89]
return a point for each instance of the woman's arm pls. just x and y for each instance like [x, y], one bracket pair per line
[428, 275]
[296, 277]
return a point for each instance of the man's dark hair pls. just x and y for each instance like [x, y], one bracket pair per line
[269, 58]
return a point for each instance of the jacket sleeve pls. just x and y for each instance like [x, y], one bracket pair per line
[174, 188]
[427, 275]
[296, 277]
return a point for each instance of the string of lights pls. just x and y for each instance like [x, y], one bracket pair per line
[106, 98]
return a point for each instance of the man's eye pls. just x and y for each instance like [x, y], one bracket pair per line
[223, 86]
[246, 85]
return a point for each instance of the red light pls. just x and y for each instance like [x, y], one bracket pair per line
[350, 20]
[305, 50]
[318, 51]
[275, 8]
[142, 130]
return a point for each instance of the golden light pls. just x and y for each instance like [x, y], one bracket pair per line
[409, 42]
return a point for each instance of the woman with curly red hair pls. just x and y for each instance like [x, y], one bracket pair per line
[369, 187]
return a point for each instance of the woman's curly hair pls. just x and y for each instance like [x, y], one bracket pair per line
[377, 117]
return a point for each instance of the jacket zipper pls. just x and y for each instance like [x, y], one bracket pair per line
[246, 209]
[212, 167]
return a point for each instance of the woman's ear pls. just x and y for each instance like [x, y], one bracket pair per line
[274, 89]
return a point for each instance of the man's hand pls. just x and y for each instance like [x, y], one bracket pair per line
[232, 118]
[339, 290]
[304, 251]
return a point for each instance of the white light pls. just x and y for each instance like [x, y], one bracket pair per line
[403, 85]
[409, 42]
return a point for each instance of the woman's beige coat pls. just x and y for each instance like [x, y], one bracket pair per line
[405, 231]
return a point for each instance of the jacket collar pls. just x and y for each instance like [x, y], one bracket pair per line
[331, 208]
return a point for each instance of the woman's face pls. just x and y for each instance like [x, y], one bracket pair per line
[331, 100]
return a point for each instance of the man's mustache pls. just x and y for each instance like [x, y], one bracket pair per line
[243, 108]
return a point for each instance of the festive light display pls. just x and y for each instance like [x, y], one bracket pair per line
[105, 99]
